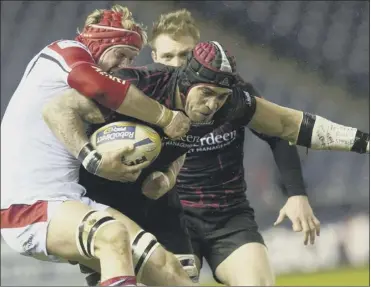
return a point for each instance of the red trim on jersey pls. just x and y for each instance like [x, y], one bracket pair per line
[92, 82]
[120, 281]
[88, 79]
[21, 215]
[72, 55]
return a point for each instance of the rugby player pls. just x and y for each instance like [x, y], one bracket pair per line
[207, 89]
[212, 187]
[44, 213]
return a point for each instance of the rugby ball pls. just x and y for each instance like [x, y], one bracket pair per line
[147, 142]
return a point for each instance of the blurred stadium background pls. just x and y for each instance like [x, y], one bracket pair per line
[309, 55]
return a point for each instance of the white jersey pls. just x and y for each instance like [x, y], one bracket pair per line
[35, 165]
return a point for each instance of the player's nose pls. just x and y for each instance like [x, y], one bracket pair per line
[125, 62]
[212, 104]
[176, 62]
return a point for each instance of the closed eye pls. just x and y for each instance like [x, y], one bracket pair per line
[207, 93]
[168, 56]
[183, 55]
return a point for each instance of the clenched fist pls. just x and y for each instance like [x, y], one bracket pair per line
[174, 123]
[159, 183]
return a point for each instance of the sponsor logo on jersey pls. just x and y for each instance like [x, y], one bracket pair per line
[209, 142]
[100, 71]
[212, 139]
[115, 133]
[198, 124]
[28, 245]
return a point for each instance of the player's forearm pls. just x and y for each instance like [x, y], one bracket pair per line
[288, 162]
[319, 133]
[142, 107]
[307, 130]
[118, 95]
[177, 165]
[158, 183]
[173, 170]
[65, 116]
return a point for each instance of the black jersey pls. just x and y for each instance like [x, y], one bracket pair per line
[159, 82]
[213, 172]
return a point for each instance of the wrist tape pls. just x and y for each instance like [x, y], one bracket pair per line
[319, 133]
[90, 158]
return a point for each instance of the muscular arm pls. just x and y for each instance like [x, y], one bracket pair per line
[116, 93]
[305, 129]
[139, 106]
[274, 120]
[66, 116]
[66, 113]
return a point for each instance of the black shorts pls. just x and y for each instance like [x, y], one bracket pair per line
[164, 218]
[217, 232]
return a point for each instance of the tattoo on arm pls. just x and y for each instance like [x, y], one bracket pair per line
[66, 115]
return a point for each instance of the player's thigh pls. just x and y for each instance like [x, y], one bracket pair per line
[62, 231]
[132, 227]
[246, 266]
[237, 245]
[133, 230]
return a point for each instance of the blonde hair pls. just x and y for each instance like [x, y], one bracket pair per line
[128, 21]
[175, 24]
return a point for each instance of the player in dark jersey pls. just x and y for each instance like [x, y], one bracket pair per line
[206, 89]
[211, 184]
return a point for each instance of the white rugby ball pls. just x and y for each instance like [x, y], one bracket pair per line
[114, 136]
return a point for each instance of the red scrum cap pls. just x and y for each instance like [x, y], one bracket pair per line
[109, 32]
[208, 63]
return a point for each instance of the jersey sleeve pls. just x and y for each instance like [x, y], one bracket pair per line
[150, 79]
[83, 74]
[67, 55]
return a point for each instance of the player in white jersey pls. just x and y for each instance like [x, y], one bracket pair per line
[44, 213]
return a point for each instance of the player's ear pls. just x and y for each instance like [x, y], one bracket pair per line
[154, 56]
